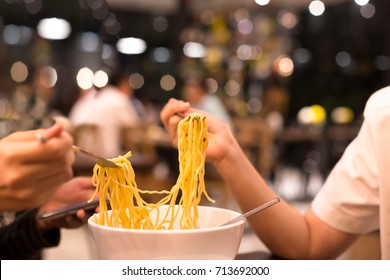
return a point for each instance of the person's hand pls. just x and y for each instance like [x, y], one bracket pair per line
[33, 170]
[221, 139]
[79, 189]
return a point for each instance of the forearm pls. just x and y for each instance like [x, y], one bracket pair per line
[23, 240]
[284, 230]
[281, 227]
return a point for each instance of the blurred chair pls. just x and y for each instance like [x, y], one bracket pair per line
[135, 139]
[256, 139]
[299, 160]
[85, 136]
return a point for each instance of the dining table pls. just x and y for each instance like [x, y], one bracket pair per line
[257, 255]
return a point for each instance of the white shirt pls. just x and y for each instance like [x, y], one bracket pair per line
[356, 195]
[110, 110]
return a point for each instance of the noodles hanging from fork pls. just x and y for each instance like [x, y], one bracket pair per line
[130, 210]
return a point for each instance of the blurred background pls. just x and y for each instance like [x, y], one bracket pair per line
[293, 76]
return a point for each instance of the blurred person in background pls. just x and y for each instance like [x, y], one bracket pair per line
[83, 105]
[109, 109]
[195, 91]
[353, 201]
[36, 171]
[151, 109]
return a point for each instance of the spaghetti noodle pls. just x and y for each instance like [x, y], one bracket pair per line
[130, 210]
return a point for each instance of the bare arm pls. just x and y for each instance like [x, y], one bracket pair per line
[284, 230]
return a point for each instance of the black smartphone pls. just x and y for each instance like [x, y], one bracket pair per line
[88, 207]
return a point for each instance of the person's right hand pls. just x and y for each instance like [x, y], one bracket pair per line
[221, 140]
[33, 170]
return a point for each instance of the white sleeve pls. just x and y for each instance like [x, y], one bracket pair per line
[349, 199]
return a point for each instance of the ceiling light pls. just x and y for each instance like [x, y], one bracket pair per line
[262, 2]
[317, 8]
[362, 2]
[131, 45]
[194, 50]
[54, 28]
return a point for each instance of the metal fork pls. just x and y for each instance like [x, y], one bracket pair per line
[253, 211]
[181, 115]
[99, 160]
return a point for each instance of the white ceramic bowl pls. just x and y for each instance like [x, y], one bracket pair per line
[209, 241]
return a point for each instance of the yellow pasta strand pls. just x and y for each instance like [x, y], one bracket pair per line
[130, 210]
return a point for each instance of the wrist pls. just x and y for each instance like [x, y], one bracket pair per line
[44, 226]
[231, 156]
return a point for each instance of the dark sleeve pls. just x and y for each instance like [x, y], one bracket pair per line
[23, 240]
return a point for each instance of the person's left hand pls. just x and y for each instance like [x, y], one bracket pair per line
[78, 189]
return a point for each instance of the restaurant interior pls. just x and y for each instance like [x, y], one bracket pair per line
[293, 76]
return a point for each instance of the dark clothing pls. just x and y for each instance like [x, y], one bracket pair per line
[22, 240]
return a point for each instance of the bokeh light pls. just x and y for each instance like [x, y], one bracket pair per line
[136, 80]
[100, 79]
[48, 76]
[194, 50]
[19, 72]
[232, 88]
[212, 85]
[85, 77]
[262, 2]
[287, 19]
[342, 115]
[160, 24]
[314, 114]
[284, 66]
[343, 59]
[362, 2]
[367, 11]
[131, 45]
[168, 82]
[54, 28]
[317, 8]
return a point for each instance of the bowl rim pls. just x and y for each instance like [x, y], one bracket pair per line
[239, 223]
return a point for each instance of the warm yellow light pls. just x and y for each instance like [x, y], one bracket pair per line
[319, 114]
[314, 114]
[284, 66]
[48, 76]
[168, 82]
[342, 115]
[19, 72]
